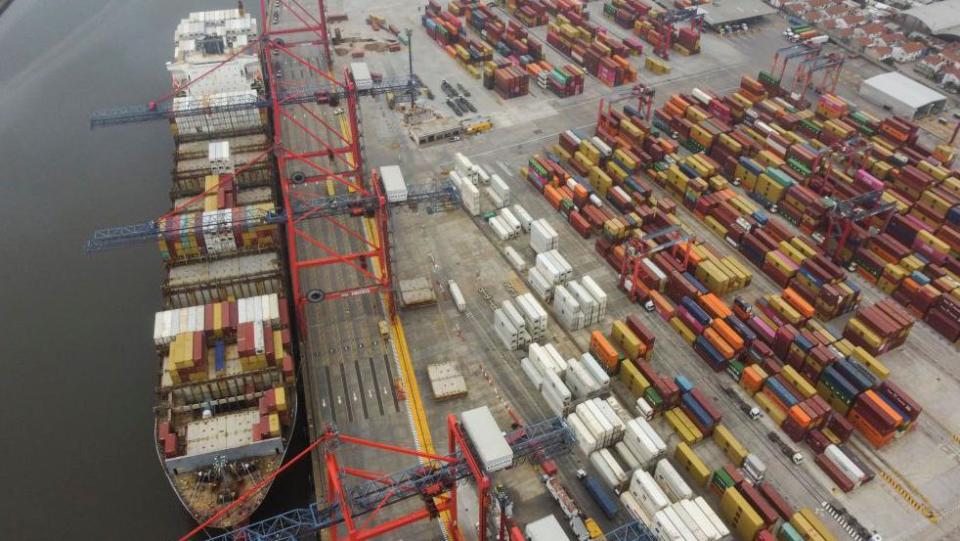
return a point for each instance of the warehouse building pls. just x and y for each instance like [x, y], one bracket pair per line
[938, 19]
[732, 12]
[902, 95]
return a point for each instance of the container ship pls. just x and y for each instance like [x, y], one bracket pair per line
[227, 394]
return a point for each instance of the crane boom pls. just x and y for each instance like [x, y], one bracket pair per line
[167, 110]
[547, 438]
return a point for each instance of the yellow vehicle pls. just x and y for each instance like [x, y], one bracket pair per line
[593, 529]
[331, 188]
[384, 330]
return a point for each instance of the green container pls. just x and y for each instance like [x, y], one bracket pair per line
[797, 166]
[780, 177]
[788, 533]
[653, 397]
[807, 123]
[735, 369]
[721, 479]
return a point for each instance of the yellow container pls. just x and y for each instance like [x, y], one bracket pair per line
[685, 332]
[732, 447]
[773, 410]
[633, 379]
[805, 387]
[739, 514]
[691, 463]
[878, 368]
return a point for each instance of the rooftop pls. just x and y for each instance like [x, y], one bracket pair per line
[731, 12]
[939, 18]
[906, 90]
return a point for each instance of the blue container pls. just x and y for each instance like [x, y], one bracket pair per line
[693, 407]
[696, 283]
[685, 384]
[817, 283]
[857, 374]
[841, 387]
[630, 111]
[803, 343]
[604, 499]
[702, 317]
[751, 165]
[689, 171]
[741, 328]
[709, 353]
[781, 392]
[761, 217]
[920, 278]
[220, 355]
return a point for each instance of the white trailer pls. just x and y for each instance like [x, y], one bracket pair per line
[457, 296]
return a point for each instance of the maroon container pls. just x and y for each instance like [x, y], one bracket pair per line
[817, 441]
[834, 473]
[643, 333]
[777, 501]
[707, 404]
[759, 503]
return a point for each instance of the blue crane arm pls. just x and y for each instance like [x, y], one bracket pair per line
[224, 104]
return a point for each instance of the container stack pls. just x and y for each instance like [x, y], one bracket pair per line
[600, 54]
[880, 327]
[511, 82]
[543, 237]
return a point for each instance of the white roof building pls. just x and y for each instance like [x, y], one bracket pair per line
[206, 38]
[902, 95]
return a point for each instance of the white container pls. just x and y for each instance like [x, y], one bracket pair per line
[679, 524]
[532, 372]
[597, 293]
[548, 268]
[543, 237]
[621, 475]
[611, 415]
[588, 305]
[644, 408]
[594, 422]
[608, 469]
[525, 219]
[500, 186]
[585, 440]
[545, 529]
[462, 164]
[634, 509]
[561, 263]
[653, 435]
[567, 309]
[513, 314]
[849, 469]
[754, 468]
[604, 148]
[655, 272]
[515, 259]
[638, 442]
[488, 440]
[393, 184]
[470, 196]
[500, 229]
[701, 96]
[540, 284]
[496, 201]
[508, 334]
[623, 415]
[701, 520]
[596, 201]
[553, 400]
[626, 456]
[573, 136]
[532, 312]
[457, 296]
[557, 358]
[456, 180]
[555, 384]
[671, 482]
[482, 176]
[664, 529]
[581, 384]
[597, 371]
[648, 493]
[541, 359]
[511, 221]
[712, 517]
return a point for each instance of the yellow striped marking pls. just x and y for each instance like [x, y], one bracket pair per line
[907, 496]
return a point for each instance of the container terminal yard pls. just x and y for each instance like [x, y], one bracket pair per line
[551, 269]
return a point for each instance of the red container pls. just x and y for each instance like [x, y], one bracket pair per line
[707, 405]
[580, 224]
[776, 500]
[817, 441]
[834, 473]
[759, 503]
[643, 333]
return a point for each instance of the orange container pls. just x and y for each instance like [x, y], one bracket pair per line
[798, 303]
[662, 304]
[604, 351]
[800, 416]
[553, 196]
[725, 349]
[753, 378]
[728, 334]
[714, 305]
[621, 61]
[871, 395]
